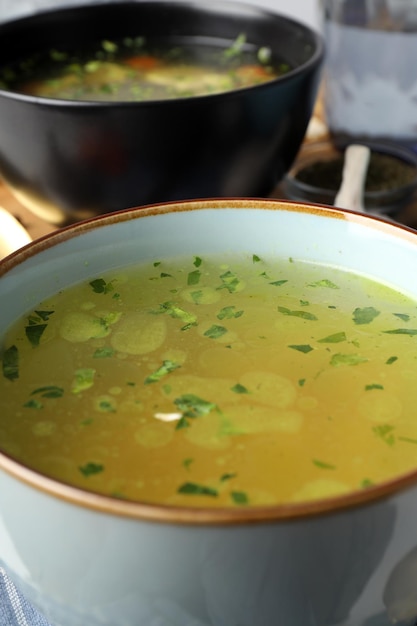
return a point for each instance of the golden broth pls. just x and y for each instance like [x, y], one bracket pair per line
[215, 382]
[131, 70]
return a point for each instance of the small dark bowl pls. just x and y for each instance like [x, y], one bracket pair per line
[391, 198]
[68, 160]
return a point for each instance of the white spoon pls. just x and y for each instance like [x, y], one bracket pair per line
[12, 234]
[355, 168]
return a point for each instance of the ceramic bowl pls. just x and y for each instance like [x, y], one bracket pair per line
[388, 200]
[69, 160]
[89, 559]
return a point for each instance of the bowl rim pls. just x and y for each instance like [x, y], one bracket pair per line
[202, 516]
[315, 60]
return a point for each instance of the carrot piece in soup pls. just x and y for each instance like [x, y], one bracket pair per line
[143, 62]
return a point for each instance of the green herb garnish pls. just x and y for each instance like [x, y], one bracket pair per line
[187, 462]
[99, 285]
[323, 465]
[364, 315]
[229, 281]
[402, 331]
[305, 315]
[347, 359]
[386, 433]
[103, 353]
[177, 312]
[402, 316]
[166, 367]
[335, 338]
[238, 388]
[236, 48]
[239, 497]
[328, 284]
[34, 333]
[305, 348]
[33, 404]
[225, 477]
[83, 380]
[50, 391]
[89, 469]
[10, 363]
[215, 331]
[407, 440]
[229, 312]
[194, 277]
[194, 489]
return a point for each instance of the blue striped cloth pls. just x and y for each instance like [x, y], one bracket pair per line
[14, 609]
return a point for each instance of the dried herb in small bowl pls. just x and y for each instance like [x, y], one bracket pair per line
[391, 178]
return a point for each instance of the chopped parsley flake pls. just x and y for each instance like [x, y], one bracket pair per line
[44, 315]
[364, 315]
[347, 359]
[196, 296]
[197, 261]
[192, 406]
[305, 315]
[227, 477]
[33, 404]
[323, 465]
[328, 284]
[402, 316]
[391, 360]
[215, 331]
[305, 348]
[83, 380]
[407, 440]
[194, 489]
[373, 386]
[239, 497]
[177, 312]
[229, 281]
[402, 331]
[187, 462]
[194, 277]
[238, 388]
[335, 338]
[166, 367]
[34, 333]
[50, 391]
[89, 469]
[99, 285]
[229, 312]
[10, 363]
[103, 353]
[255, 258]
[386, 433]
[278, 283]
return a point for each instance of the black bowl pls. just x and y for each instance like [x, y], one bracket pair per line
[68, 160]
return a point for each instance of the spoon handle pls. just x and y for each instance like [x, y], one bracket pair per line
[350, 194]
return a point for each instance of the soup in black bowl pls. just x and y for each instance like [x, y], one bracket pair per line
[68, 158]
